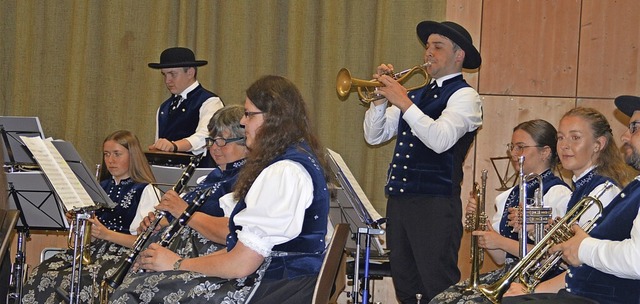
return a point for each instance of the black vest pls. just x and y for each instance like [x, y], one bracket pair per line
[416, 169]
[183, 121]
[615, 224]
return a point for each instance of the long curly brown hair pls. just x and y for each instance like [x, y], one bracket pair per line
[286, 122]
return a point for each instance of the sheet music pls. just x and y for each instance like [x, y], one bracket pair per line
[59, 174]
[355, 187]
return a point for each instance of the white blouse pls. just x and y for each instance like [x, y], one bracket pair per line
[276, 204]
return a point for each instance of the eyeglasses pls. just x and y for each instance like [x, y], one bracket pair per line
[248, 114]
[220, 141]
[633, 126]
[518, 148]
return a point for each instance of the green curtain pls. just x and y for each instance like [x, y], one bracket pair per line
[81, 65]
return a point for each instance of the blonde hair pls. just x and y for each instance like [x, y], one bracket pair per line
[139, 168]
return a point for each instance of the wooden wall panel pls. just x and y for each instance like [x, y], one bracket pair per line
[609, 49]
[529, 47]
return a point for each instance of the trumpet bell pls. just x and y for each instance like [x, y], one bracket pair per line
[343, 82]
[366, 88]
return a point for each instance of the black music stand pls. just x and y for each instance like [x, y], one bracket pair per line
[353, 206]
[11, 128]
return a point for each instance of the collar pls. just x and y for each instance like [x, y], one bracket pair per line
[575, 179]
[442, 79]
[188, 90]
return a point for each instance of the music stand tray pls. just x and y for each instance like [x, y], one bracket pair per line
[12, 127]
[40, 206]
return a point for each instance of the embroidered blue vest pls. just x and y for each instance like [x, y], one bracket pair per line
[585, 185]
[416, 169]
[302, 255]
[183, 121]
[221, 183]
[615, 224]
[127, 196]
[548, 179]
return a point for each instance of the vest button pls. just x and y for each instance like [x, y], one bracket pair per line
[404, 179]
[401, 190]
[404, 167]
[397, 154]
[400, 144]
[411, 145]
[404, 132]
[413, 96]
[406, 156]
[435, 95]
[390, 188]
[393, 177]
[394, 165]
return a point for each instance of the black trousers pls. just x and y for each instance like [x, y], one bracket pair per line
[423, 234]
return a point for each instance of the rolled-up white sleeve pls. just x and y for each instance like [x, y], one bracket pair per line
[619, 258]
[276, 204]
[197, 139]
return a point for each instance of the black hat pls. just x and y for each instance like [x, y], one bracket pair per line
[177, 57]
[628, 104]
[457, 34]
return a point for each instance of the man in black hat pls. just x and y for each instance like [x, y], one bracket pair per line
[605, 264]
[434, 128]
[182, 119]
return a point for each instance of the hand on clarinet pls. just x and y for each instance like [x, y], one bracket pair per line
[172, 202]
[156, 258]
[146, 222]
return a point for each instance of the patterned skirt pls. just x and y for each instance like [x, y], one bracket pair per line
[457, 294]
[186, 287]
[49, 282]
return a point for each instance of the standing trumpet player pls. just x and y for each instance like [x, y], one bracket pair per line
[536, 141]
[434, 127]
[605, 264]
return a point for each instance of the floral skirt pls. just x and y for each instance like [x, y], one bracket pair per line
[457, 294]
[186, 287]
[50, 281]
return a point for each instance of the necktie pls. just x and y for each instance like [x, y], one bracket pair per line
[175, 103]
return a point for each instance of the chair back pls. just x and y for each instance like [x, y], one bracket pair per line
[331, 264]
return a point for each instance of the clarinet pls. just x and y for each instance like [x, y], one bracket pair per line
[178, 223]
[111, 283]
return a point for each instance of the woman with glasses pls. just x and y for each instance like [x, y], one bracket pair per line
[586, 148]
[536, 141]
[278, 217]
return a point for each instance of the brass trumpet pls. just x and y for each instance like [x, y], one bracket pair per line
[86, 253]
[477, 221]
[534, 266]
[366, 88]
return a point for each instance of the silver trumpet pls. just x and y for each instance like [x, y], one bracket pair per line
[474, 222]
[534, 266]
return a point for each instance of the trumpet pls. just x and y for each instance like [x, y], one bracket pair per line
[85, 254]
[534, 266]
[477, 221]
[366, 88]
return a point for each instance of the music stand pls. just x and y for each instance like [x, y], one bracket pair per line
[170, 159]
[166, 177]
[31, 193]
[354, 206]
[11, 128]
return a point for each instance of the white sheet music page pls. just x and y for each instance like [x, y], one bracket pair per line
[58, 172]
[354, 185]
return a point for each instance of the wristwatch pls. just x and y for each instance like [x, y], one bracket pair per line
[176, 265]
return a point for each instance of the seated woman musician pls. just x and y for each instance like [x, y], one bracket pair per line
[536, 141]
[586, 148]
[277, 217]
[126, 177]
[207, 228]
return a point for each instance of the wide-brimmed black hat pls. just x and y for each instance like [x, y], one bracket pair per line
[628, 104]
[177, 57]
[457, 34]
